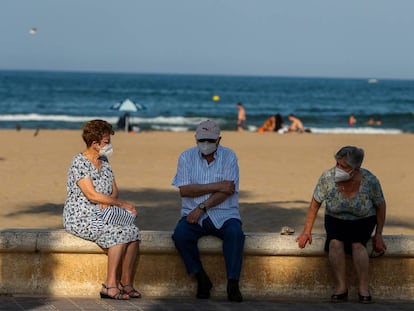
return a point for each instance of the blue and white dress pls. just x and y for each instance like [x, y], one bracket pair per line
[82, 217]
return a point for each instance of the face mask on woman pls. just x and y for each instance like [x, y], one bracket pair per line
[206, 147]
[341, 175]
[106, 151]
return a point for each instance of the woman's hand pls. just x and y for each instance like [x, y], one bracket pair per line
[102, 206]
[303, 239]
[131, 208]
[378, 243]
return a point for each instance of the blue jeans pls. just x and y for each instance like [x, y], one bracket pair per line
[186, 237]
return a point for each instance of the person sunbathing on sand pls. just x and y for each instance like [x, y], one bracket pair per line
[296, 124]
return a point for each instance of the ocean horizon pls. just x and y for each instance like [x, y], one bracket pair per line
[178, 102]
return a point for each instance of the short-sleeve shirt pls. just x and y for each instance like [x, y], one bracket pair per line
[194, 169]
[362, 204]
[82, 217]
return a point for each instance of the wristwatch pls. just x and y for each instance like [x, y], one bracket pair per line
[202, 206]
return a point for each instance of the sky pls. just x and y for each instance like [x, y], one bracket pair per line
[302, 38]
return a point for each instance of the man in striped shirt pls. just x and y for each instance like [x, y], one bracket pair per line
[208, 179]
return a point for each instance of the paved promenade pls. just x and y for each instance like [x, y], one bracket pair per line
[187, 304]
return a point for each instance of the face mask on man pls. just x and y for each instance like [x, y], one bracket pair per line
[106, 151]
[341, 175]
[206, 147]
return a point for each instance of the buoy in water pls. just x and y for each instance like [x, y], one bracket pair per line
[216, 98]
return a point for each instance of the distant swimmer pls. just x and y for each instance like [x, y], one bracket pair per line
[352, 120]
[372, 121]
[33, 31]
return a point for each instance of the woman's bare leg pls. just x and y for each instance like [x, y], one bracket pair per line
[114, 259]
[361, 263]
[128, 263]
[338, 263]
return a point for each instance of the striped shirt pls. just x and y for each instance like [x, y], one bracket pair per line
[194, 169]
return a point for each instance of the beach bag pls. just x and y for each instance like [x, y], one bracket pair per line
[115, 215]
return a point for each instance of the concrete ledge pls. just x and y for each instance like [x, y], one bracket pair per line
[54, 262]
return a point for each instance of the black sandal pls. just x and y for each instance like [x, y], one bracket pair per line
[340, 297]
[133, 293]
[364, 299]
[118, 296]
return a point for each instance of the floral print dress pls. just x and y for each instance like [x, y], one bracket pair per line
[82, 217]
[362, 205]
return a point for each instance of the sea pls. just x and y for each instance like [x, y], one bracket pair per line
[178, 102]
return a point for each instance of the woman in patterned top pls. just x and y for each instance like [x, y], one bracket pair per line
[91, 187]
[354, 206]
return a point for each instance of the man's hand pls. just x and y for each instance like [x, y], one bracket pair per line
[227, 186]
[194, 216]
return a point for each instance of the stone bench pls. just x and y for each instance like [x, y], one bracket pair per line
[53, 262]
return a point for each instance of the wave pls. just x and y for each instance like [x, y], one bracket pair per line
[342, 130]
[359, 130]
[114, 119]
[161, 123]
[49, 117]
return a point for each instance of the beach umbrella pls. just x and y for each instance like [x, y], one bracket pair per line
[127, 106]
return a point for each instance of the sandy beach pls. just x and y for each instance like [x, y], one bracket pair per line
[278, 174]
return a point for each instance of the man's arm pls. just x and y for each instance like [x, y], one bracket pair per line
[215, 199]
[196, 190]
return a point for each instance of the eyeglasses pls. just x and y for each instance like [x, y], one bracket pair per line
[206, 140]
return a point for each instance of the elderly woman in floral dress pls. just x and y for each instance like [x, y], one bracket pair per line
[355, 206]
[91, 188]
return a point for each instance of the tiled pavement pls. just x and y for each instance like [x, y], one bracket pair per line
[187, 304]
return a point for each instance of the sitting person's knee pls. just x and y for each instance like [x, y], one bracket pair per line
[237, 233]
[234, 228]
[336, 245]
[178, 234]
[357, 246]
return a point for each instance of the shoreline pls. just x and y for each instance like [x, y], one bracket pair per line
[178, 128]
[277, 175]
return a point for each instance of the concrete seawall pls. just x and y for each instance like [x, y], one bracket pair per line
[53, 262]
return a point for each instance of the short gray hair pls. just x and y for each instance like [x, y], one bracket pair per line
[352, 155]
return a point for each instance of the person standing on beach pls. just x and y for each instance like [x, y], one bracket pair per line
[241, 119]
[123, 123]
[208, 180]
[91, 192]
[354, 206]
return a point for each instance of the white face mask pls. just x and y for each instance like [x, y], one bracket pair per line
[341, 175]
[206, 147]
[106, 151]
